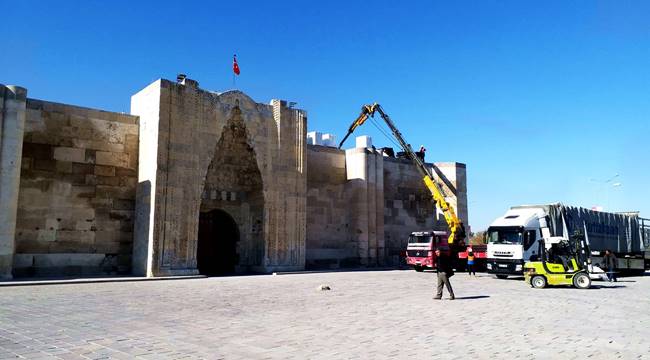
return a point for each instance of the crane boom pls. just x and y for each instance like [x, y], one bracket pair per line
[456, 227]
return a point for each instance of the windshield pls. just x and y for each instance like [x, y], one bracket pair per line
[505, 235]
[423, 239]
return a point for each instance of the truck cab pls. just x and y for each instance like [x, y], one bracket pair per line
[421, 247]
[513, 240]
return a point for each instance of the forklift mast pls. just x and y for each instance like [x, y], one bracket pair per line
[456, 227]
[583, 252]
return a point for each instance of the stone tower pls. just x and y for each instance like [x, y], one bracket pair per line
[212, 164]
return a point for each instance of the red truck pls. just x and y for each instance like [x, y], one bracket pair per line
[420, 251]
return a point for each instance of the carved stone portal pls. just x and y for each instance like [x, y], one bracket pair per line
[233, 184]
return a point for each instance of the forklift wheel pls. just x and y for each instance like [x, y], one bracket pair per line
[581, 281]
[499, 276]
[418, 268]
[538, 282]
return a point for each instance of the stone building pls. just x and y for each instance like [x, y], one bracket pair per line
[195, 181]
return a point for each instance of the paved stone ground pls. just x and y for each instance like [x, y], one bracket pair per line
[366, 315]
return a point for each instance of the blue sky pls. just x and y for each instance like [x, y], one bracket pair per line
[544, 101]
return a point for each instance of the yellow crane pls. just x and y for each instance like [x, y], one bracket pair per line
[456, 227]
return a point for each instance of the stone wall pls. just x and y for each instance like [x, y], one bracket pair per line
[409, 205]
[329, 242]
[85, 191]
[362, 206]
[77, 191]
[365, 174]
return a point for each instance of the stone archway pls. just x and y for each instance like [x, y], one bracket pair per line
[233, 184]
[217, 246]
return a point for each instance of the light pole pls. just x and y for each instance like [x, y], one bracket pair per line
[614, 186]
[605, 186]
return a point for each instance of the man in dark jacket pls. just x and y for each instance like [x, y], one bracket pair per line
[610, 263]
[444, 268]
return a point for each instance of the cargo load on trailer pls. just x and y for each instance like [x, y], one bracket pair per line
[513, 238]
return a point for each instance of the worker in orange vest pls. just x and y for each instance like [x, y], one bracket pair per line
[470, 262]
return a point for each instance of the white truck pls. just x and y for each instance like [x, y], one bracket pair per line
[514, 238]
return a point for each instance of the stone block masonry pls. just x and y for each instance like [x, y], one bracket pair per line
[362, 206]
[77, 191]
[408, 205]
[330, 241]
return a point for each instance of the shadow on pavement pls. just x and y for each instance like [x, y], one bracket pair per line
[513, 277]
[607, 287]
[472, 297]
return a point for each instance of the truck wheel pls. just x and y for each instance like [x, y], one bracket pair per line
[581, 281]
[418, 268]
[502, 276]
[538, 282]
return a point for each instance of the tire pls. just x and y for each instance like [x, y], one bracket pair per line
[499, 276]
[418, 268]
[538, 282]
[582, 281]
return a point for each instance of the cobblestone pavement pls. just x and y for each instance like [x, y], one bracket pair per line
[366, 315]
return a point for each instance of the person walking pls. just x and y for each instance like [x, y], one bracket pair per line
[470, 263]
[445, 271]
[610, 263]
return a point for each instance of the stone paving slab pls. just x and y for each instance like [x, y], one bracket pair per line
[366, 315]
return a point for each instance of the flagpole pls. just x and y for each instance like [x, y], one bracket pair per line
[235, 70]
[234, 57]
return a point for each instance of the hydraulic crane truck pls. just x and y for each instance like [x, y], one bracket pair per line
[421, 245]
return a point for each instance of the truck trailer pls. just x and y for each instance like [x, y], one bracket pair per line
[513, 238]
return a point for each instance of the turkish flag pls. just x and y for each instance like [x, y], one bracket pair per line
[235, 67]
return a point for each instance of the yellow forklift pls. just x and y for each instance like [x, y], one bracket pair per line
[561, 261]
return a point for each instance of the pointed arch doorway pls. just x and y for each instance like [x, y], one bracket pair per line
[217, 243]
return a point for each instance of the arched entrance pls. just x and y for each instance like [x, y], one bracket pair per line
[217, 247]
[233, 187]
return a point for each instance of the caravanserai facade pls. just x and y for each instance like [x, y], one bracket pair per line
[195, 181]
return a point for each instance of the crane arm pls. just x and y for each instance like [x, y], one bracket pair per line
[366, 111]
[456, 227]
